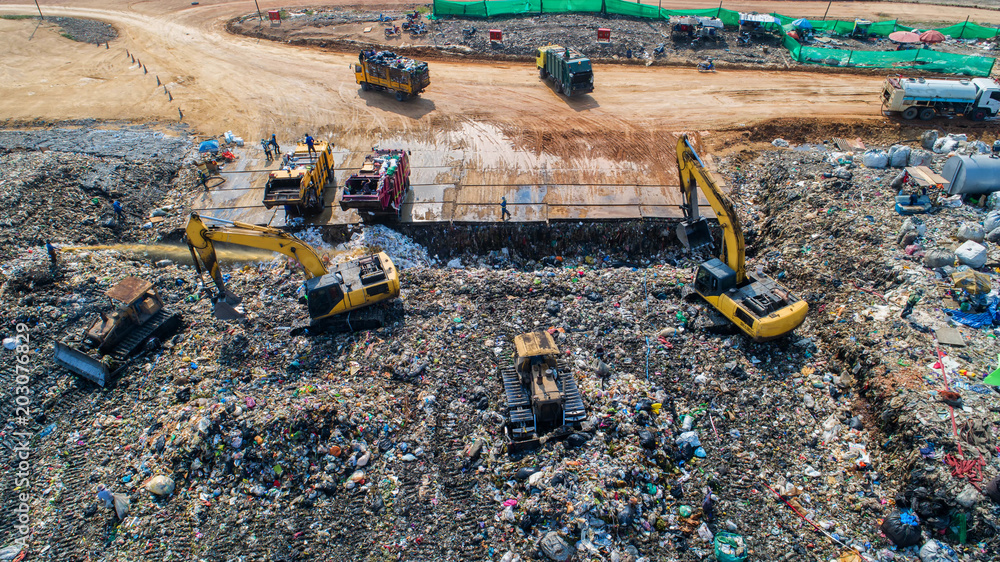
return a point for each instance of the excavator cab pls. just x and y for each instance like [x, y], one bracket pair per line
[714, 278]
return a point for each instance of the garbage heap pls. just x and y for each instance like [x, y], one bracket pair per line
[239, 441]
[392, 60]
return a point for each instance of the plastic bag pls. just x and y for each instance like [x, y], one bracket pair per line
[902, 528]
[937, 551]
[875, 159]
[898, 156]
[730, 547]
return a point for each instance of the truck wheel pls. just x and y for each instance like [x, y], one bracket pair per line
[400, 96]
[365, 86]
[566, 90]
[542, 74]
[558, 86]
[927, 113]
[911, 113]
[977, 114]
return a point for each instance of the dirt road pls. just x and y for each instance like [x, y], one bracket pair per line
[223, 82]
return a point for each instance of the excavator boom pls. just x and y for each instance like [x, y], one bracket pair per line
[758, 305]
[693, 175]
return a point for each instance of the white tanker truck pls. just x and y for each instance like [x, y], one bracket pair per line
[976, 98]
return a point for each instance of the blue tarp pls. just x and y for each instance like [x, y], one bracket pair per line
[209, 146]
[978, 319]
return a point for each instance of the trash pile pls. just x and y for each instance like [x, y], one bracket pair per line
[392, 60]
[867, 434]
[405, 253]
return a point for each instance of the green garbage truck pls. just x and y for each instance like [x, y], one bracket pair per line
[568, 69]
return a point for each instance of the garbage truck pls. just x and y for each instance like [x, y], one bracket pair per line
[380, 185]
[568, 69]
[300, 183]
[389, 72]
[976, 98]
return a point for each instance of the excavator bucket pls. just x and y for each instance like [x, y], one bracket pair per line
[694, 234]
[225, 311]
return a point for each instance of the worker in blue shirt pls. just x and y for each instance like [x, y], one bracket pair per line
[504, 213]
[53, 253]
[310, 142]
[118, 209]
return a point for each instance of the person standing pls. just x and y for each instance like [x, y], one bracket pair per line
[203, 178]
[504, 213]
[267, 149]
[118, 209]
[274, 143]
[310, 142]
[53, 253]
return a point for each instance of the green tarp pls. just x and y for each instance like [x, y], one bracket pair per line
[923, 59]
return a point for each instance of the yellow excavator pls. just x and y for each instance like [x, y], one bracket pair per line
[758, 305]
[339, 299]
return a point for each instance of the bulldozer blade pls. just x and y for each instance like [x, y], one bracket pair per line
[695, 234]
[80, 363]
[226, 311]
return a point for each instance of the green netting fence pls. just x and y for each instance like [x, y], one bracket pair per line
[923, 59]
[927, 60]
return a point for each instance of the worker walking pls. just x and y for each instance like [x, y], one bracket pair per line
[310, 142]
[274, 143]
[118, 209]
[53, 253]
[504, 213]
[267, 149]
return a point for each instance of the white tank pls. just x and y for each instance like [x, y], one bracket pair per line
[936, 88]
[972, 174]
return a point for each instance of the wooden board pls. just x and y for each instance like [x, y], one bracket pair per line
[950, 336]
[925, 177]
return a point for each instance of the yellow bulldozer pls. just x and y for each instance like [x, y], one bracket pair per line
[541, 392]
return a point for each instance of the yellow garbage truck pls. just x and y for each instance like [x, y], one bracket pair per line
[389, 72]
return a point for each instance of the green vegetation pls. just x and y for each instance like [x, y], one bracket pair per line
[13, 17]
[68, 36]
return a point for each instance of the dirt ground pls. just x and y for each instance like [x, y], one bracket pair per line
[221, 82]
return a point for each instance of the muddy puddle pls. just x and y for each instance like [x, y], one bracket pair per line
[176, 252]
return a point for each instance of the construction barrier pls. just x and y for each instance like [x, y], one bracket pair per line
[922, 59]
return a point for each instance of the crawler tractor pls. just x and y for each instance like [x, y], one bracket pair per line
[541, 392]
